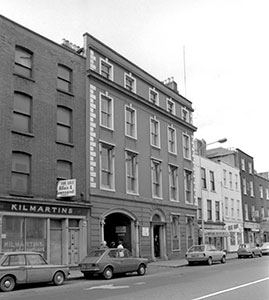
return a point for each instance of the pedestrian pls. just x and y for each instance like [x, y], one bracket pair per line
[120, 245]
[103, 245]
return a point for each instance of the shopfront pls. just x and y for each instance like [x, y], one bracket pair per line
[57, 231]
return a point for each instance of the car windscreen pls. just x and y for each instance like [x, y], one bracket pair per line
[197, 249]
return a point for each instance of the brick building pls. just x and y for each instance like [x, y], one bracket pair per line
[42, 129]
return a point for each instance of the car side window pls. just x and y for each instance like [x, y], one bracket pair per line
[113, 254]
[16, 260]
[35, 259]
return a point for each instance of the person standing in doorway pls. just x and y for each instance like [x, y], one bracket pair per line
[120, 245]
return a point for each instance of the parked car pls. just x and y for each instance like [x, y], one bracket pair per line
[111, 261]
[28, 267]
[249, 250]
[205, 253]
[265, 248]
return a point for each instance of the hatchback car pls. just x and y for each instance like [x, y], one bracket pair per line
[248, 250]
[265, 248]
[111, 261]
[28, 267]
[205, 253]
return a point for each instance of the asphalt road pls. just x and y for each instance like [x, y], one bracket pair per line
[237, 279]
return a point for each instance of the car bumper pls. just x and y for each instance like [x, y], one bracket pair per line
[265, 251]
[197, 259]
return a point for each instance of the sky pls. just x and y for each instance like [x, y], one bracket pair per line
[216, 50]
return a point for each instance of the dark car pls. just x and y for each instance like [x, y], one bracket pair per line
[28, 267]
[248, 250]
[205, 253]
[111, 261]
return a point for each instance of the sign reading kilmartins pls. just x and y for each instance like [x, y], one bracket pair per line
[66, 188]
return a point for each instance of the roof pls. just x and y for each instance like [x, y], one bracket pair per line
[216, 152]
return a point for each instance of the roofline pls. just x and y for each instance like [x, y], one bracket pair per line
[244, 153]
[41, 36]
[136, 66]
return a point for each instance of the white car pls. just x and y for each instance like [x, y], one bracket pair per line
[205, 253]
[265, 248]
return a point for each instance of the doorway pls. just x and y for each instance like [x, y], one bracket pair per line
[156, 235]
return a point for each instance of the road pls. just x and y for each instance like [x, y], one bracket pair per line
[237, 279]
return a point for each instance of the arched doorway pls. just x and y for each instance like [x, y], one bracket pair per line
[120, 225]
[158, 235]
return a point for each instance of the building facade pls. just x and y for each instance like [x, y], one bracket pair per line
[140, 161]
[42, 129]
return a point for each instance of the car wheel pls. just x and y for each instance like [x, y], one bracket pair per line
[7, 283]
[239, 256]
[223, 260]
[108, 273]
[58, 278]
[190, 263]
[141, 270]
[209, 261]
[88, 275]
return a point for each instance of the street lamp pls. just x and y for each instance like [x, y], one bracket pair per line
[221, 141]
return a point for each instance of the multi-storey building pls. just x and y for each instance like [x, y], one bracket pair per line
[140, 162]
[250, 203]
[42, 130]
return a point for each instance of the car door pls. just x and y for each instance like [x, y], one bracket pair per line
[116, 260]
[16, 264]
[215, 253]
[37, 268]
[129, 262]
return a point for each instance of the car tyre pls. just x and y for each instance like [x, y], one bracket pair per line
[190, 263]
[209, 261]
[7, 283]
[108, 273]
[141, 270]
[58, 278]
[223, 259]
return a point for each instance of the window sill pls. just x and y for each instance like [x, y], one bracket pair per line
[24, 77]
[65, 92]
[65, 144]
[31, 135]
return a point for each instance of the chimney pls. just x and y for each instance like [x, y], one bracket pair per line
[171, 84]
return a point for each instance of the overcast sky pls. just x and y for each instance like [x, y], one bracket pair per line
[226, 54]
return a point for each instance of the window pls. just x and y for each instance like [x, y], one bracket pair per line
[262, 213]
[170, 106]
[217, 210]
[236, 182]
[209, 210]
[64, 117]
[23, 62]
[130, 83]
[156, 175]
[232, 208]
[199, 210]
[267, 193]
[64, 78]
[226, 207]
[106, 111]
[243, 164]
[244, 186]
[130, 122]
[20, 174]
[212, 180]
[175, 233]
[154, 132]
[173, 182]
[246, 211]
[250, 168]
[153, 96]
[35, 259]
[64, 170]
[186, 146]
[251, 189]
[261, 191]
[231, 180]
[225, 178]
[188, 186]
[172, 146]
[185, 115]
[253, 214]
[106, 69]
[203, 178]
[131, 172]
[107, 166]
[22, 112]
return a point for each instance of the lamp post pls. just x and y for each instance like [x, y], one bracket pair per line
[221, 141]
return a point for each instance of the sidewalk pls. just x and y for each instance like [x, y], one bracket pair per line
[173, 263]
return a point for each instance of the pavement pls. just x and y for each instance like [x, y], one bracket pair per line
[171, 263]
